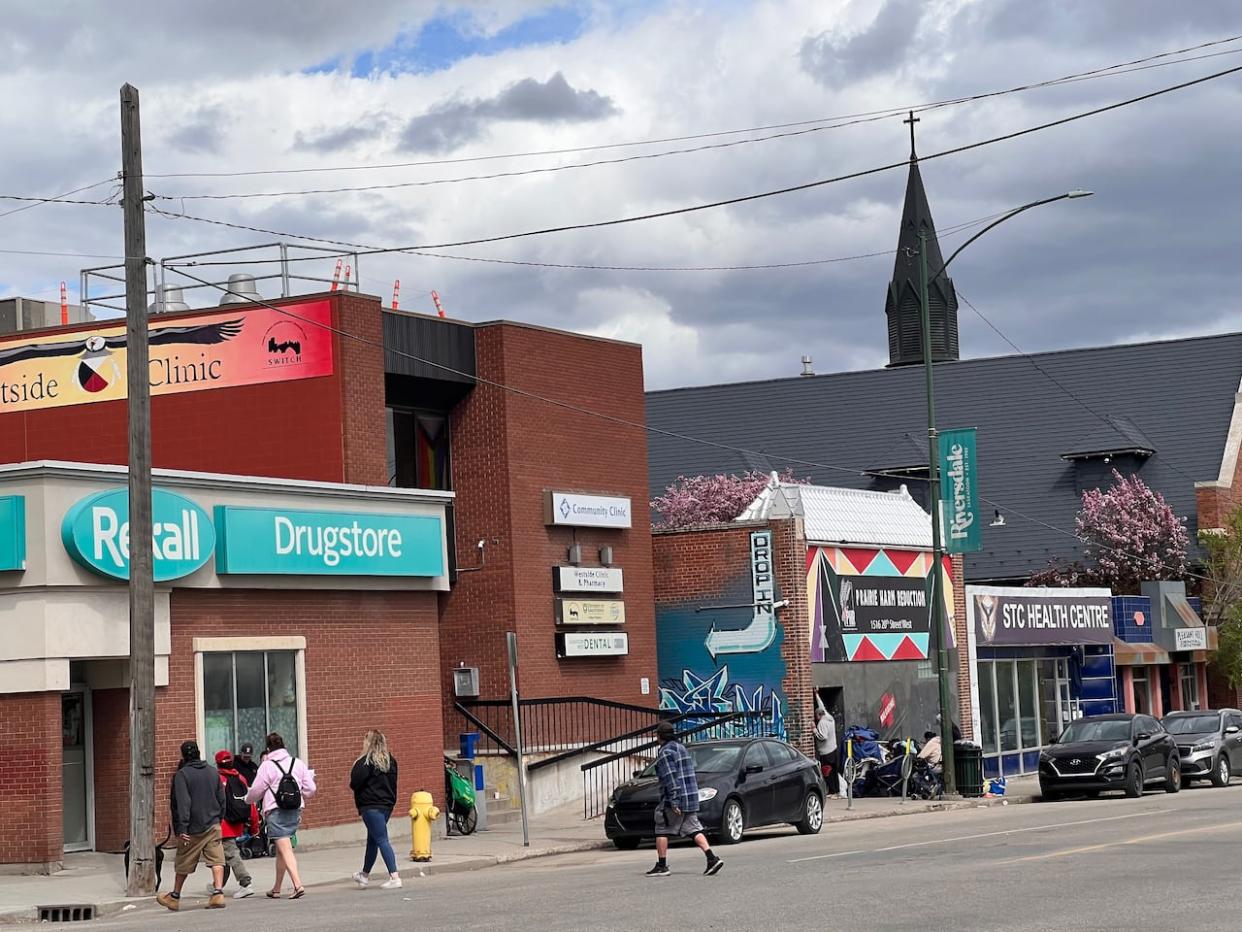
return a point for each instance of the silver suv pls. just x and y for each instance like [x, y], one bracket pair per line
[1209, 743]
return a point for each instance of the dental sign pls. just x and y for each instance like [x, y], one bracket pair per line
[278, 542]
[96, 533]
[570, 509]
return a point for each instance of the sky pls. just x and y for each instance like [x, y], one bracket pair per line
[229, 88]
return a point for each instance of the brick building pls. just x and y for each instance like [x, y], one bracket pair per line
[331, 469]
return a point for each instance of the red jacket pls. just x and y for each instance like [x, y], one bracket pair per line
[237, 829]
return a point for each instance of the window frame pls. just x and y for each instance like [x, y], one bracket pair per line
[233, 645]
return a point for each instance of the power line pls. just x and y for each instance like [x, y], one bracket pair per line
[866, 116]
[677, 211]
[549, 169]
[578, 409]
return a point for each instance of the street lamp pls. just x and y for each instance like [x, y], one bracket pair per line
[933, 471]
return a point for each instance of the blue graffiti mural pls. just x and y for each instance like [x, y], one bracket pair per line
[714, 694]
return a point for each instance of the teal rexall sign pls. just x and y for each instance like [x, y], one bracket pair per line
[12, 532]
[279, 541]
[96, 534]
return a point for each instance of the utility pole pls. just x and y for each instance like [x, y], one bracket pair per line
[141, 880]
[933, 476]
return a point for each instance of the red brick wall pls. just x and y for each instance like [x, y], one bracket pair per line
[287, 429]
[110, 711]
[30, 773]
[507, 450]
[790, 561]
[372, 661]
[964, 712]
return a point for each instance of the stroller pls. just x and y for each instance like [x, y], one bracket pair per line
[869, 754]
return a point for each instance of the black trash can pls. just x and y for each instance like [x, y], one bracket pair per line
[968, 767]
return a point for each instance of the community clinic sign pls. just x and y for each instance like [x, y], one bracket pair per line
[204, 351]
[1004, 617]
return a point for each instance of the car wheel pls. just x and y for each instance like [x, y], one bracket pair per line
[732, 823]
[812, 815]
[1134, 781]
[1049, 796]
[1173, 782]
[626, 844]
[1221, 775]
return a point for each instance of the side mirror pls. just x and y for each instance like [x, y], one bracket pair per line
[1232, 730]
[638, 773]
[753, 768]
[1142, 736]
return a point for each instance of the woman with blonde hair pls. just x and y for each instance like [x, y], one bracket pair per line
[374, 782]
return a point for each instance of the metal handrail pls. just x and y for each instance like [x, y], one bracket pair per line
[474, 720]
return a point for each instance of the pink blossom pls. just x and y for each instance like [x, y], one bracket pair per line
[699, 500]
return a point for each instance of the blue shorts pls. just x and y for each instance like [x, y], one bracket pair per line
[283, 823]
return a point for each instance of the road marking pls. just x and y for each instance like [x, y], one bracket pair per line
[1011, 831]
[1118, 844]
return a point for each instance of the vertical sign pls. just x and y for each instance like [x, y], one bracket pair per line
[959, 485]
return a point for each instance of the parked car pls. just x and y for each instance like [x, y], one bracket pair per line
[1110, 752]
[743, 783]
[1210, 743]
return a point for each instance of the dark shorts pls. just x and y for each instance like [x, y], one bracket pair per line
[669, 824]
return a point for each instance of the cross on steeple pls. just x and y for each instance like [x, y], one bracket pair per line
[911, 119]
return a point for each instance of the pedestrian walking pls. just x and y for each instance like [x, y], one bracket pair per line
[197, 803]
[827, 750]
[240, 817]
[280, 789]
[677, 812]
[244, 764]
[374, 782]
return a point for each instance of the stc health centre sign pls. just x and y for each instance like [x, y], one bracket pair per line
[1018, 617]
[255, 541]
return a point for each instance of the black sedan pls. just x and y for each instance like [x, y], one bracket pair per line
[1210, 743]
[743, 783]
[1110, 752]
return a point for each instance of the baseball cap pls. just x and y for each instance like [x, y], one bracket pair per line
[665, 730]
[189, 750]
[223, 758]
[246, 749]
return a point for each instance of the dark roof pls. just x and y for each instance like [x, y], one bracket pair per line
[1111, 436]
[1178, 393]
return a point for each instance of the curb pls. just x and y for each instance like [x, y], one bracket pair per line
[946, 806]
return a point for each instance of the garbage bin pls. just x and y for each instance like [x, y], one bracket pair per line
[968, 766]
[469, 741]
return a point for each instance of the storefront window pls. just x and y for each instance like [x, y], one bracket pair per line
[987, 707]
[1028, 709]
[1007, 705]
[1142, 691]
[246, 695]
[1190, 686]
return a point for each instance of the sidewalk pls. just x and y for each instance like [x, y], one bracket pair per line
[97, 879]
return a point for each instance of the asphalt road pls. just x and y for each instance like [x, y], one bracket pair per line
[1162, 862]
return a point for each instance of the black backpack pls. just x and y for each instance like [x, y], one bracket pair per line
[236, 809]
[288, 794]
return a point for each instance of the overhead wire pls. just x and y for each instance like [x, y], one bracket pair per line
[614, 419]
[1128, 67]
[726, 202]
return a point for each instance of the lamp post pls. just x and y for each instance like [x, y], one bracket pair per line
[933, 473]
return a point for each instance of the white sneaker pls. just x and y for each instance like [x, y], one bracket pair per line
[243, 892]
[362, 879]
[392, 883]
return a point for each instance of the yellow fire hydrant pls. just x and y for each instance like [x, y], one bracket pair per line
[423, 814]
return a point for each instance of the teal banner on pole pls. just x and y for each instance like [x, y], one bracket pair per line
[959, 491]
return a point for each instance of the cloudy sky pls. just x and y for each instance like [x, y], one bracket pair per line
[231, 87]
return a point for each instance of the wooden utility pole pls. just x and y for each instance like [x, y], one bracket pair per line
[141, 881]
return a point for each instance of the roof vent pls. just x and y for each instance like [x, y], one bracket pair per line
[168, 300]
[806, 366]
[241, 290]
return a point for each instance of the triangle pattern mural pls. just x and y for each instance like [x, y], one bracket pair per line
[885, 646]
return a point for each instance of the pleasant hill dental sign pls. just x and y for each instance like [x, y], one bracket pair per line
[272, 541]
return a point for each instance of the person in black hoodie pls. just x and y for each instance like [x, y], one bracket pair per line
[197, 804]
[374, 782]
[243, 763]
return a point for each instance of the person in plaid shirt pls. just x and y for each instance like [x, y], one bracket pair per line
[677, 812]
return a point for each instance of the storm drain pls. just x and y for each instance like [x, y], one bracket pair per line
[66, 913]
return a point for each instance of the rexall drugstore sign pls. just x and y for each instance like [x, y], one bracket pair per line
[96, 534]
[277, 541]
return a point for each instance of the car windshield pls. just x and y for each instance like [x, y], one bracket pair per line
[708, 758]
[1192, 724]
[1086, 729]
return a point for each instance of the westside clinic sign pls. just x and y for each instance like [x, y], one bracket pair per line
[959, 491]
[96, 532]
[279, 542]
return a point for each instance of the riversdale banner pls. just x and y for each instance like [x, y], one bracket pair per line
[959, 492]
[219, 349]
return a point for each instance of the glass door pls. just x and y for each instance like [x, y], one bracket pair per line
[76, 775]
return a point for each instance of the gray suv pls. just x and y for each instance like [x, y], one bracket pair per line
[1209, 743]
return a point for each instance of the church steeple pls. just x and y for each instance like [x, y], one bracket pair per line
[905, 329]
